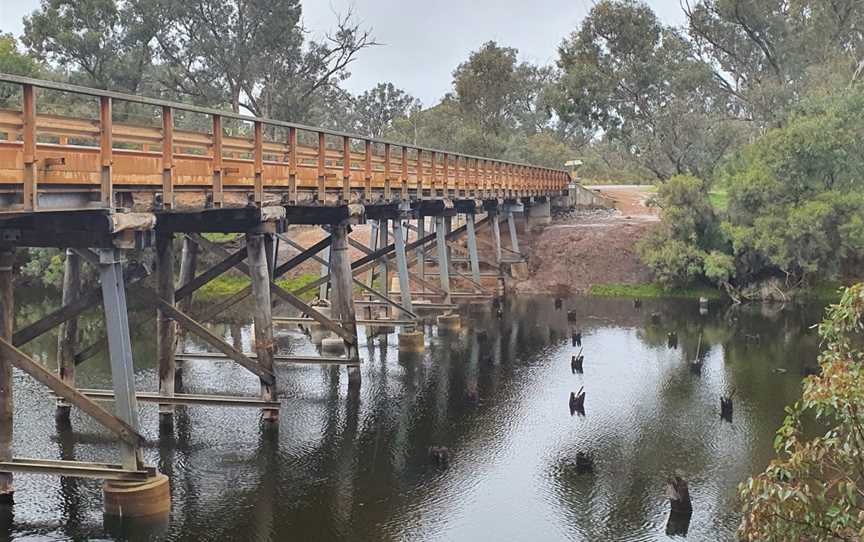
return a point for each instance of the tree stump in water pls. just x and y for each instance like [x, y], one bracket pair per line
[726, 407]
[584, 462]
[678, 493]
[440, 455]
[577, 402]
[576, 364]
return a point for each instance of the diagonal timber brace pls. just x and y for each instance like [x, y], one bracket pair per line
[187, 289]
[290, 298]
[204, 334]
[72, 310]
[365, 287]
[19, 359]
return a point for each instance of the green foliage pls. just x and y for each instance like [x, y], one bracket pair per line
[796, 196]
[638, 81]
[377, 109]
[43, 267]
[14, 61]
[812, 490]
[687, 247]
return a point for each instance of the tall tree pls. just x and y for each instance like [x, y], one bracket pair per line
[377, 108]
[767, 53]
[248, 53]
[485, 86]
[637, 80]
[94, 41]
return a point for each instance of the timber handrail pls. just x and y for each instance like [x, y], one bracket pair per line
[167, 158]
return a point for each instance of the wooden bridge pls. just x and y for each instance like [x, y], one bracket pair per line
[100, 173]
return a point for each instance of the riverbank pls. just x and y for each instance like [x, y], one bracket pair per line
[582, 249]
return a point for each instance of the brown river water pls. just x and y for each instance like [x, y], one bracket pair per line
[345, 467]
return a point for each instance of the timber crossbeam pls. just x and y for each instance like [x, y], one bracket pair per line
[77, 469]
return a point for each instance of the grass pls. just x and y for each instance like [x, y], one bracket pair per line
[221, 237]
[652, 290]
[227, 285]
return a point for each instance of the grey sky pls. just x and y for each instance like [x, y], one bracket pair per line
[425, 41]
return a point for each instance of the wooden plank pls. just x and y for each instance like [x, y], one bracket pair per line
[404, 180]
[218, 188]
[31, 181]
[387, 172]
[322, 170]
[77, 469]
[367, 171]
[259, 163]
[39, 373]
[188, 399]
[292, 164]
[168, 157]
[301, 360]
[106, 155]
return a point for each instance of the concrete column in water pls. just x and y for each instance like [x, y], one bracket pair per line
[7, 318]
[67, 336]
[165, 327]
[443, 263]
[342, 305]
[262, 316]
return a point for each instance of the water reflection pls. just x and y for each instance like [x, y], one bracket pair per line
[356, 465]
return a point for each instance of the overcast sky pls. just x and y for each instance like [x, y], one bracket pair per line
[422, 42]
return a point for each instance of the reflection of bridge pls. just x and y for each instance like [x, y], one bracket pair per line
[98, 188]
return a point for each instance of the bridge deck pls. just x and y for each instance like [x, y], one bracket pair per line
[67, 162]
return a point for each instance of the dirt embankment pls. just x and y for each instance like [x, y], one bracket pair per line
[587, 247]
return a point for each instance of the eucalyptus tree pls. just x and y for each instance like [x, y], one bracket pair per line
[637, 80]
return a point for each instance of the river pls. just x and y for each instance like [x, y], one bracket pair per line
[356, 467]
